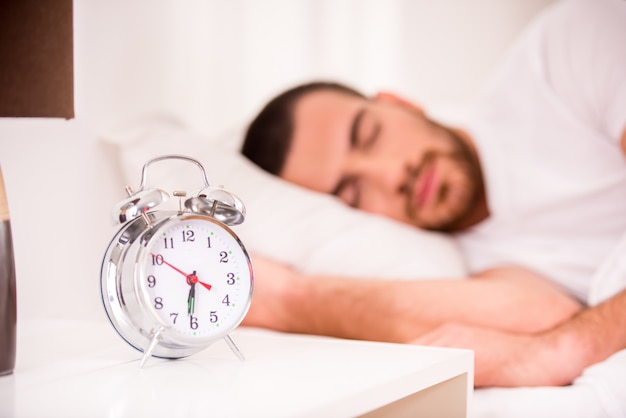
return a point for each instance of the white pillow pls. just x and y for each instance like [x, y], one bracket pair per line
[310, 231]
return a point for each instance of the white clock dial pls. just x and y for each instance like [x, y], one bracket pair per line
[196, 278]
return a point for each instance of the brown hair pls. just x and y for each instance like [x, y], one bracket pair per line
[269, 134]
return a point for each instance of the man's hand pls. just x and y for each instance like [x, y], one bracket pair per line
[507, 359]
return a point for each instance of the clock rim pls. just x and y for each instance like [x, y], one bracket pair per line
[124, 245]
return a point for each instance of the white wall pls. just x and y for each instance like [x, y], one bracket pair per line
[61, 185]
[215, 62]
[212, 63]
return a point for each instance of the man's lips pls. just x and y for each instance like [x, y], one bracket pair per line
[424, 188]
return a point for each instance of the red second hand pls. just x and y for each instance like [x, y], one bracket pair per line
[192, 278]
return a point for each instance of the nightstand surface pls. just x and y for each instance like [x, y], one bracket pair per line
[69, 368]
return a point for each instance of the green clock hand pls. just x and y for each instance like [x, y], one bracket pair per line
[191, 299]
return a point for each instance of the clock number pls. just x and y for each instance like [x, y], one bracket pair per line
[231, 279]
[188, 236]
[213, 316]
[157, 260]
[168, 242]
[223, 257]
[158, 303]
[208, 239]
[151, 281]
[193, 322]
[174, 317]
[226, 301]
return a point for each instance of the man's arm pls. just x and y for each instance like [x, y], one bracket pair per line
[508, 299]
[553, 357]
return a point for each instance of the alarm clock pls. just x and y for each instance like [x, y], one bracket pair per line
[176, 279]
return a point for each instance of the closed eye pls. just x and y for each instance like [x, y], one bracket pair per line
[373, 136]
[367, 131]
[355, 129]
[361, 136]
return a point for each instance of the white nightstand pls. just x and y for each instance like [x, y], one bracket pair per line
[83, 369]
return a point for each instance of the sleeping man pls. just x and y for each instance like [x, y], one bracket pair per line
[533, 186]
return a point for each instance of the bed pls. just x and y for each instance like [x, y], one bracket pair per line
[312, 231]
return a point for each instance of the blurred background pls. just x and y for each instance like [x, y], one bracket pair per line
[214, 63]
[211, 64]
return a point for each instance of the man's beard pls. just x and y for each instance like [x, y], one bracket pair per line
[465, 160]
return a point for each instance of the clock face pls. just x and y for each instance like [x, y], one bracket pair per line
[196, 278]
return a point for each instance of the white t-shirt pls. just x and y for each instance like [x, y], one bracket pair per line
[547, 130]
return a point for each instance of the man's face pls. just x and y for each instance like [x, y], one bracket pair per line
[383, 157]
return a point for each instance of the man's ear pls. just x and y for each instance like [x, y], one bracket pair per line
[389, 97]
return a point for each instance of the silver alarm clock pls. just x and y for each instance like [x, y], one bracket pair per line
[175, 281]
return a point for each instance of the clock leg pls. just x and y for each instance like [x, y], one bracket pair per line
[234, 347]
[156, 336]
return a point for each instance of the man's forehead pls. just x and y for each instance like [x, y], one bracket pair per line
[323, 104]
